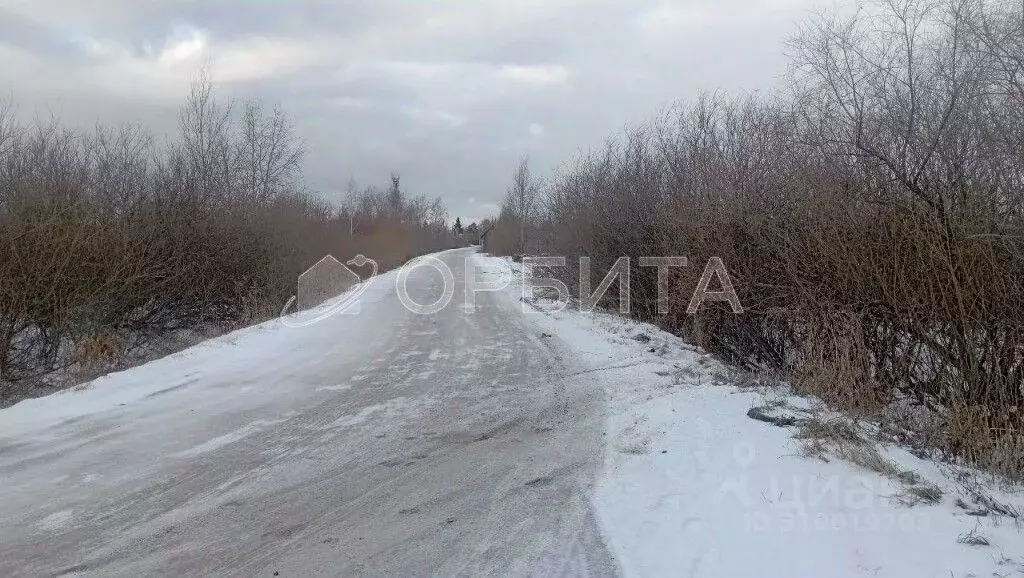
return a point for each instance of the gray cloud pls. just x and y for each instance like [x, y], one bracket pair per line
[450, 94]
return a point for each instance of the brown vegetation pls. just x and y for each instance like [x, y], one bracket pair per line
[110, 245]
[870, 219]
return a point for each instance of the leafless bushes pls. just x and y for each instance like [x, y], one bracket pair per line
[870, 219]
[514, 231]
[111, 243]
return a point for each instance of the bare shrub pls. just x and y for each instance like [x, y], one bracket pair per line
[870, 218]
[113, 249]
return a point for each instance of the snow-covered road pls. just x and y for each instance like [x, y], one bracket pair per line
[384, 443]
[517, 437]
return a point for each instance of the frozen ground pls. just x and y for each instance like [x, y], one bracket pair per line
[501, 438]
[384, 443]
[694, 487]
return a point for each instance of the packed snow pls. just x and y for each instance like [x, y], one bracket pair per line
[180, 378]
[694, 487]
[691, 484]
[382, 443]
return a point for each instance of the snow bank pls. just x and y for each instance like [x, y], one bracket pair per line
[694, 487]
[190, 377]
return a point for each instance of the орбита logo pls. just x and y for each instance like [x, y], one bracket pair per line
[327, 279]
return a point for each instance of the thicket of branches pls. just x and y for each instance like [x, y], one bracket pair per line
[111, 241]
[870, 218]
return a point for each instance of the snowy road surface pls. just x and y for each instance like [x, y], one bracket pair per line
[513, 438]
[385, 443]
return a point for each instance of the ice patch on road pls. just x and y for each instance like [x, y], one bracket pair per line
[387, 410]
[227, 439]
[357, 418]
[343, 387]
[56, 520]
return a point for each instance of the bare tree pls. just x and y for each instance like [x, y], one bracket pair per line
[268, 153]
[121, 165]
[437, 214]
[897, 88]
[9, 134]
[521, 200]
[8, 125]
[205, 127]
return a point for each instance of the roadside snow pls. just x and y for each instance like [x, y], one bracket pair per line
[188, 379]
[694, 487]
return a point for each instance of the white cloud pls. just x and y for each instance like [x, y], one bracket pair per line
[416, 70]
[463, 72]
[447, 85]
[435, 117]
[668, 19]
[350, 102]
[98, 48]
[535, 75]
[263, 58]
[165, 70]
[481, 81]
[185, 44]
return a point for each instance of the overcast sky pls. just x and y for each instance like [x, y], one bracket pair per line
[448, 93]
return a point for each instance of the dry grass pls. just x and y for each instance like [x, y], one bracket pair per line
[841, 438]
[99, 350]
[979, 494]
[973, 538]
